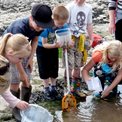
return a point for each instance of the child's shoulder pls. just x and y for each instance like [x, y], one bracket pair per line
[97, 56]
[88, 5]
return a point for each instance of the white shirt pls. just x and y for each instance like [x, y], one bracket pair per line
[79, 17]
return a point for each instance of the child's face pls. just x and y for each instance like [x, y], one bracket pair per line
[79, 2]
[35, 26]
[14, 59]
[111, 59]
[17, 57]
[59, 23]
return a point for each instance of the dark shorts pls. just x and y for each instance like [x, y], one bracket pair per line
[118, 32]
[47, 60]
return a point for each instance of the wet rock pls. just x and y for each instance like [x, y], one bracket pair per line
[6, 115]
[38, 95]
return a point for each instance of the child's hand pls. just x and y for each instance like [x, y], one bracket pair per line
[25, 80]
[105, 93]
[22, 105]
[57, 44]
[88, 78]
[71, 43]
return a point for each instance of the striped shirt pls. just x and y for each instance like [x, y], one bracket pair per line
[117, 6]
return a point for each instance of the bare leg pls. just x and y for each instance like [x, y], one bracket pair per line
[46, 82]
[76, 73]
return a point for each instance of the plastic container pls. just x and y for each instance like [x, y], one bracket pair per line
[119, 89]
[63, 36]
[36, 113]
[94, 84]
[106, 84]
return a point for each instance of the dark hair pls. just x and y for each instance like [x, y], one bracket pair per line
[42, 14]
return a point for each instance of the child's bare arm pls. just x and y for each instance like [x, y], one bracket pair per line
[23, 74]
[86, 69]
[34, 44]
[114, 83]
[49, 46]
[90, 32]
[111, 26]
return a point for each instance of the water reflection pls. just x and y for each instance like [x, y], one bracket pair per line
[94, 111]
[85, 109]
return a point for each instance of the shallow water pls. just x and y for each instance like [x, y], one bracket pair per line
[93, 111]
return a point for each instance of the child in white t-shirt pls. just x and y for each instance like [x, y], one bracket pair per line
[80, 23]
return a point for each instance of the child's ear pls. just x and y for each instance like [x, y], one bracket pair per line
[31, 18]
[10, 52]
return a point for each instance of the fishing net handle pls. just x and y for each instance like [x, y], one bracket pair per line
[67, 70]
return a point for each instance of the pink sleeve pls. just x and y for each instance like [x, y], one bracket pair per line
[10, 98]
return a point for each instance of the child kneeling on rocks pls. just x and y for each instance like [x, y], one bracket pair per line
[12, 49]
[107, 62]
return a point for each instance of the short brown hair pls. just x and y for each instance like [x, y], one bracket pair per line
[60, 13]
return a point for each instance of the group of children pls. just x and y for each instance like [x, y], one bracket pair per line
[39, 29]
[13, 48]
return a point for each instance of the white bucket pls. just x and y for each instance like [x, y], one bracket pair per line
[94, 84]
[36, 113]
[119, 89]
[63, 36]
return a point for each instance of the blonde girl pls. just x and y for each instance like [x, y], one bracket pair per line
[13, 48]
[107, 62]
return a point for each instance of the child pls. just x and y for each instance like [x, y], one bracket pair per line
[47, 52]
[31, 27]
[115, 18]
[107, 62]
[80, 22]
[12, 49]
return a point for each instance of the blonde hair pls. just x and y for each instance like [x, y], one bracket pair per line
[60, 13]
[114, 49]
[17, 42]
